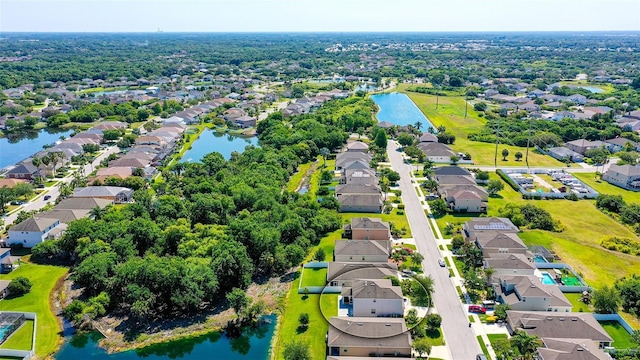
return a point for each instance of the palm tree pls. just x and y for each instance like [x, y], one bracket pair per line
[418, 125]
[65, 190]
[97, 212]
[526, 344]
[396, 257]
[324, 152]
[36, 162]
[488, 273]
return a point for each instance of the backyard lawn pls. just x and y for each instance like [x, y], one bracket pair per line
[314, 277]
[21, 339]
[43, 278]
[578, 306]
[621, 338]
[314, 336]
[400, 221]
[578, 245]
[604, 187]
[450, 114]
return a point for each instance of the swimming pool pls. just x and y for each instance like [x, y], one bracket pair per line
[547, 279]
[539, 259]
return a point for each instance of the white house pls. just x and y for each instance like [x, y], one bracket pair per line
[528, 293]
[374, 298]
[32, 231]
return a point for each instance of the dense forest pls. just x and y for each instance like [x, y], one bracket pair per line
[208, 226]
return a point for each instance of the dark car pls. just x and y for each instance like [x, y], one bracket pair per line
[47, 197]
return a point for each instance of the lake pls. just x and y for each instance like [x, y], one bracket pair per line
[398, 109]
[252, 344]
[225, 144]
[17, 147]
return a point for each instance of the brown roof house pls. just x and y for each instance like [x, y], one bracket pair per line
[558, 326]
[466, 198]
[357, 146]
[367, 229]
[361, 176]
[116, 194]
[367, 336]
[570, 349]
[24, 171]
[344, 273]
[369, 251]
[359, 203]
[245, 121]
[509, 264]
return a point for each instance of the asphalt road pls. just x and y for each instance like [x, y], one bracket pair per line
[54, 191]
[460, 339]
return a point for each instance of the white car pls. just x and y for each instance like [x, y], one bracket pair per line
[441, 262]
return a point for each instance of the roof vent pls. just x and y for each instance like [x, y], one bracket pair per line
[561, 319]
[574, 319]
[549, 318]
[360, 324]
[579, 348]
[387, 324]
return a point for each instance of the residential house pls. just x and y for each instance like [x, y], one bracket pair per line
[374, 298]
[357, 146]
[570, 349]
[31, 232]
[369, 203]
[491, 242]
[562, 114]
[528, 293]
[624, 176]
[436, 152]
[562, 153]
[119, 172]
[344, 273]
[450, 171]
[10, 183]
[581, 146]
[82, 204]
[558, 326]
[245, 121]
[65, 215]
[577, 99]
[116, 194]
[363, 177]
[618, 144]
[476, 226]
[151, 140]
[344, 158]
[367, 229]
[466, 198]
[366, 337]
[4, 288]
[348, 189]
[25, 171]
[370, 251]
[386, 124]
[173, 120]
[8, 263]
[455, 180]
[355, 165]
[428, 138]
[509, 264]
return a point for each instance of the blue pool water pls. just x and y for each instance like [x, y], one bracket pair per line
[547, 279]
[593, 89]
[398, 109]
[539, 259]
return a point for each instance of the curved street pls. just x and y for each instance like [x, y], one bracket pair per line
[459, 337]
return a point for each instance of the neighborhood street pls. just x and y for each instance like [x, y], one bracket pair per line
[38, 202]
[459, 337]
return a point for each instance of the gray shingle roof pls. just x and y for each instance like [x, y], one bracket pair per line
[362, 247]
[373, 332]
[368, 223]
[34, 224]
[375, 289]
[558, 325]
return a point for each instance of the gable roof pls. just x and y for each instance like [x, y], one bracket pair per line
[368, 332]
[99, 191]
[558, 325]
[450, 171]
[82, 203]
[455, 180]
[375, 289]
[499, 240]
[491, 224]
[65, 215]
[350, 271]
[427, 137]
[11, 182]
[531, 286]
[24, 168]
[360, 199]
[357, 189]
[362, 247]
[571, 349]
[34, 224]
[509, 261]
[357, 145]
[368, 223]
[627, 170]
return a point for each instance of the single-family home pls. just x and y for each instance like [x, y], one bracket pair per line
[354, 165]
[570, 349]
[367, 229]
[7, 262]
[362, 176]
[618, 144]
[10, 183]
[509, 264]
[428, 138]
[118, 195]
[624, 176]
[561, 153]
[367, 336]
[573, 325]
[32, 231]
[489, 224]
[357, 146]
[347, 189]
[65, 215]
[82, 204]
[370, 203]
[344, 273]
[374, 298]
[370, 251]
[450, 171]
[581, 146]
[491, 242]
[436, 152]
[344, 158]
[466, 199]
[25, 171]
[528, 293]
[245, 121]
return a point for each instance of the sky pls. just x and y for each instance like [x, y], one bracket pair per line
[317, 15]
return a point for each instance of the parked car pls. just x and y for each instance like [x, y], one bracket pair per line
[441, 262]
[41, 186]
[47, 197]
[481, 357]
[477, 309]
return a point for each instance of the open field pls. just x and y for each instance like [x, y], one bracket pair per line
[450, 113]
[21, 339]
[43, 278]
[604, 187]
[578, 245]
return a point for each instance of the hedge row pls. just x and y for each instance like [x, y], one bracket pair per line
[508, 180]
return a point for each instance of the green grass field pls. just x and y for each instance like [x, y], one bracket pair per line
[604, 187]
[578, 306]
[494, 337]
[483, 346]
[21, 339]
[43, 278]
[450, 113]
[314, 277]
[435, 337]
[621, 338]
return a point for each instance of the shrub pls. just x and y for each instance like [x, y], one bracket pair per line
[303, 318]
[319, 255]
[401, 206]
[19, 286]
[508, 180]
[572, 196]
[457, 241]
[623, 245]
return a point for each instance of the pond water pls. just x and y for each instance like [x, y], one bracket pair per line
[251, 344]
[225, 144]
[17, 147]
[398, 109]
[593, 89]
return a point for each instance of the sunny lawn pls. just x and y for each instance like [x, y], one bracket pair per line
[604, 187]
[494, 337]
[296, 179]
[400, 221]
[21, 339]
[578, 306]
[621, 338]
[314, 277]
[314, 336]
[450, 114]
[43, 278]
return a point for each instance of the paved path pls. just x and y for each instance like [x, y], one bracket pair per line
[461, 340]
